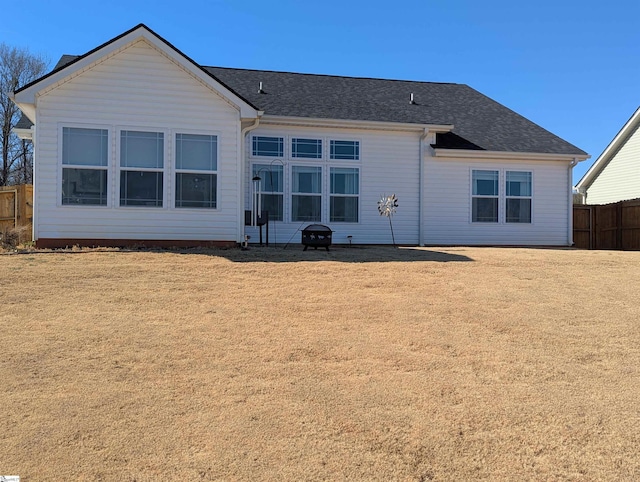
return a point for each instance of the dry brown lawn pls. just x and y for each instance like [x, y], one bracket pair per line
[357, 364]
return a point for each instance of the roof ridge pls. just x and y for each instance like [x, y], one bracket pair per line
[330, 75]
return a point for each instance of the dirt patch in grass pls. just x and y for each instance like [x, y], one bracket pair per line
[359, 364]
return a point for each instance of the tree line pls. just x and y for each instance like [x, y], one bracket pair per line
[18, 67]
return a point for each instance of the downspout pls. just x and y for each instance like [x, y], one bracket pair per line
[243, 149]
[34, 193]
[421, 188]
[572, 164]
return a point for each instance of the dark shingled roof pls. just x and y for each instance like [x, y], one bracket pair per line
[480, 123]
[23, 123]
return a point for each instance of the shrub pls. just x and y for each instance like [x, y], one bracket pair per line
[12, 237]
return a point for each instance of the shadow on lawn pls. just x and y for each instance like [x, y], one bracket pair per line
[340, 254]
[277, 254]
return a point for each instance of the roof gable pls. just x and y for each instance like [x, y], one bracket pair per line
[614, 146]
[69, 65]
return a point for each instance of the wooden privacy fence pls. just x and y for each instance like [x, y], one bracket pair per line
[16, 209]
[607, 226]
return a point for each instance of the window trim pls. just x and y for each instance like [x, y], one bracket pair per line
[321, 194]
[174, 171]
[166, 168]
[507, 197]
[271, 193]
[326, 163]
[502, 196]
[357, 196]
[284, 138]
[331, 139]
[485, 196]
[108, 168]
[320, 141]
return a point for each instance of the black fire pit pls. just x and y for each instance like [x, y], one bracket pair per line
[316, 236]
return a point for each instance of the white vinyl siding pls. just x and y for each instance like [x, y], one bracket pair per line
[447, 214]
[137, 89]
[620, 178]
[386, 162]
[141, 90]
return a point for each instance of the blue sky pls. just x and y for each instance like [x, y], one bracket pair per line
[571, 66]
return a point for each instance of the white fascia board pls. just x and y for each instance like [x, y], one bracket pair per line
[27, 109]
[609, 152]
[351, 124]
[28, 95]
[516, 156]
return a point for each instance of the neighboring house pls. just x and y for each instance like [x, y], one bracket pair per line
[136, 143]
[615, 176]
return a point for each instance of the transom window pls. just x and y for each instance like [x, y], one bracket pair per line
[268, 146]
[85, 159]
[306, 148]
[141, 168]
[347, 150]
[196, 167]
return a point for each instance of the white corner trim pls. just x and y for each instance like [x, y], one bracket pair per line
[515, 156]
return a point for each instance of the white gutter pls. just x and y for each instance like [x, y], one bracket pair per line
[34, 180]
[352, 124]
[532, 156]
[241, 197]
[24, 134]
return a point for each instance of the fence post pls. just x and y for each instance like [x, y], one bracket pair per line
[619, 225]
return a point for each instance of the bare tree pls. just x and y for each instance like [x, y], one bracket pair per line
[18, 67]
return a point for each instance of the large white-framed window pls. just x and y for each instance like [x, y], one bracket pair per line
[85, 166]
[518, 196]
[302, 148]
[196, 175]
[271, 189]
[484, 196]
[141, 168]
[306, 193]
[501, 196]
[316, 180]
[344, 196]
[267, 146]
